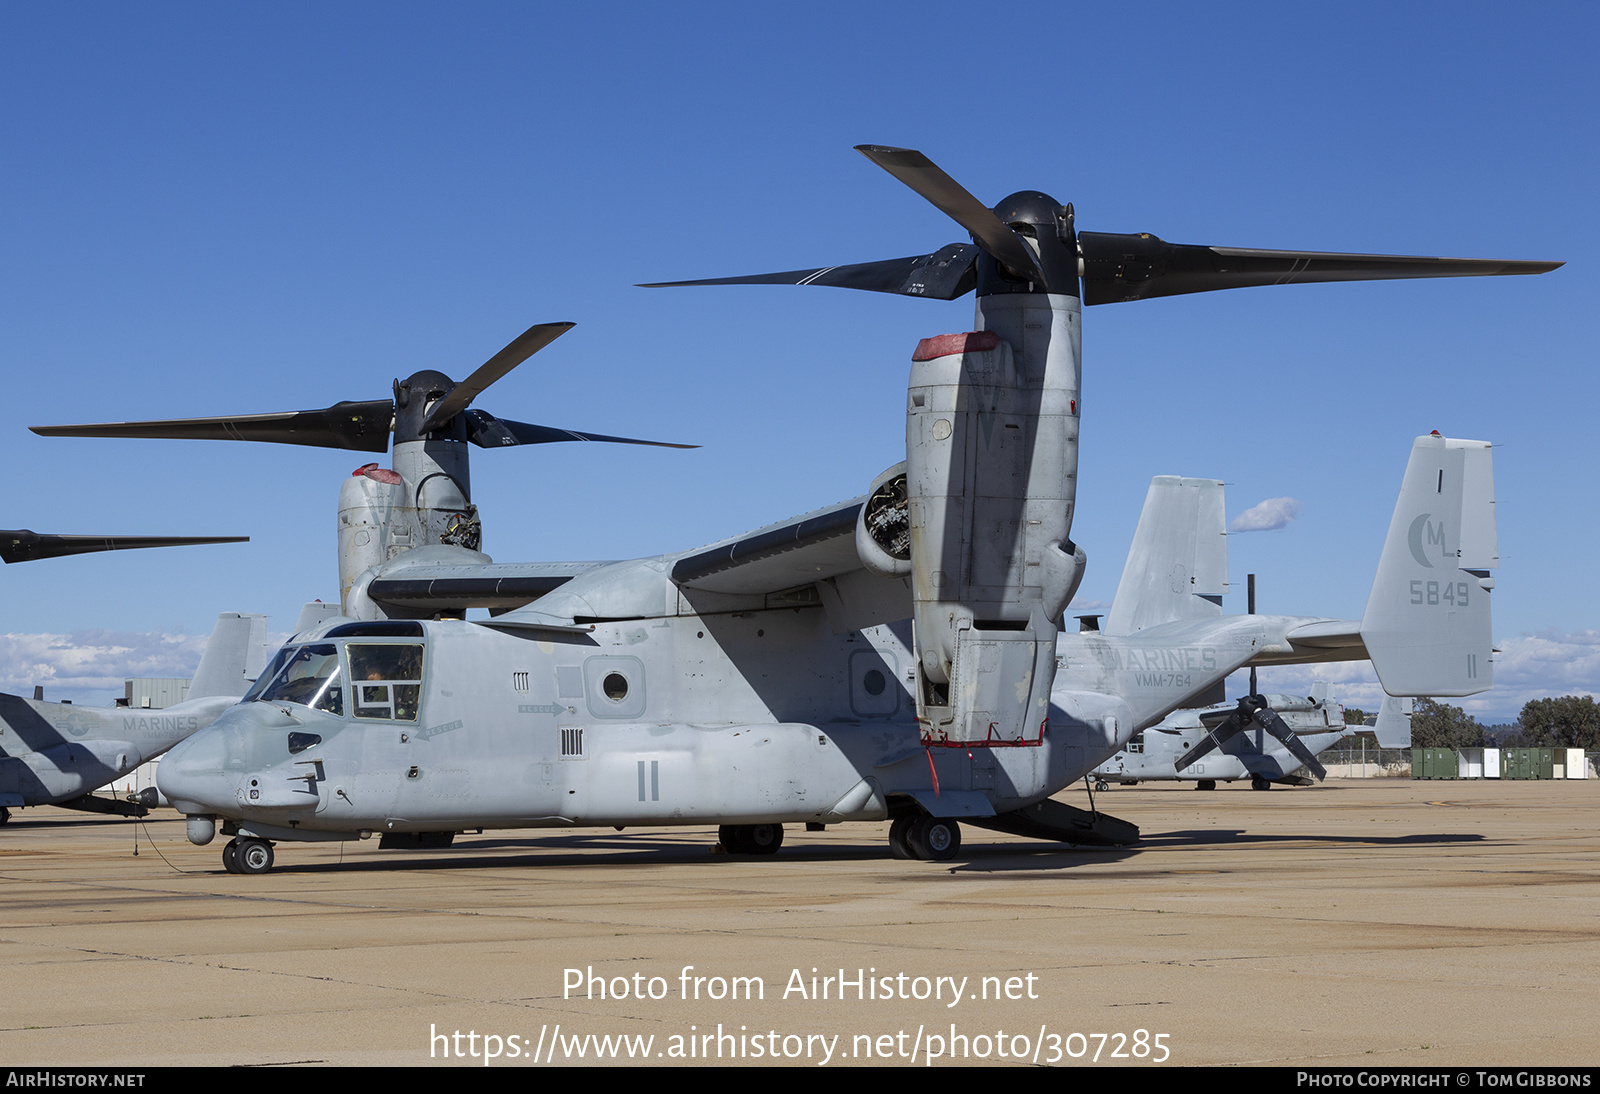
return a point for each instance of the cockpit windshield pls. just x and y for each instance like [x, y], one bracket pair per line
[307, 675]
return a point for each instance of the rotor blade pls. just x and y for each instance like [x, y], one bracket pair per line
[360, 427]
[1213, 740]
[952, 199]
[524, 346]
[1269, 720]
[22, 545]
[943, 275]
[487, 431]
[1119, 268]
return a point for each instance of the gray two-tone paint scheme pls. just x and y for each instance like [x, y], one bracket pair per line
[727, 694]
[779, 676]
[60, 753]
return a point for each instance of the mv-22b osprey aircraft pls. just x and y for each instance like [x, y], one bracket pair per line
[894, 656]
[60, 753]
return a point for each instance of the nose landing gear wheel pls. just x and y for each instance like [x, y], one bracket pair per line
[254, 856]
[230, 856]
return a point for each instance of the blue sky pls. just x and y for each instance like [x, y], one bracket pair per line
[222, 209]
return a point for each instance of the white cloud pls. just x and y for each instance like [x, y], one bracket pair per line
[91, 666]
[1540, 666]
[91, 661]
[1270, 515]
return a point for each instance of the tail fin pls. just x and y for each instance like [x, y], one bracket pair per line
[1178, 565]
[314, 614]
[1427, 625]
[233, 657]
[1393, 729]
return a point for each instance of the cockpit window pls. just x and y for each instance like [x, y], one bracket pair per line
[387, 679]
[307, 675]
[269, 673]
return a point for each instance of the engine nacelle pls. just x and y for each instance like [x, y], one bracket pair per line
[991, 459]
[883, 527]
[378, 522]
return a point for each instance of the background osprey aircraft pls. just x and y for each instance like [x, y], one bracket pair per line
[893, 656]
[1254, 751]
[59, 753]
[1265, 744]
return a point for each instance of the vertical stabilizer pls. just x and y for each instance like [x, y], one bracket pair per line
[1393, 728]
[314, 614]
[1178, 565]
[1427, 624]
[233, 657]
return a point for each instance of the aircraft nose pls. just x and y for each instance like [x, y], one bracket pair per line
[193, 773]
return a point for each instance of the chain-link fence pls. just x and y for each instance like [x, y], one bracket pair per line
[1367, 763]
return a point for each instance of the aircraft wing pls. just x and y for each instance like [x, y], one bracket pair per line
[811, 547]
[498, 586]
[813, 551]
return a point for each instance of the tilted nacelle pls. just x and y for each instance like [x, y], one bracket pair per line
[382, 516]
[991, 478]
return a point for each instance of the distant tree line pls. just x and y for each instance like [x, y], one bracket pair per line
[1572, 721]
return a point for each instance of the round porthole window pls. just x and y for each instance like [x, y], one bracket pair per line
[615, 685]
[873, 682]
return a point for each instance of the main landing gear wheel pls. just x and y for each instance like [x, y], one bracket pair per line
[230, 856]
[899, 838]
[5, 814]
[254, 856]
[751, 839]
[936, 839]
[1258, 783]
[1206, 784]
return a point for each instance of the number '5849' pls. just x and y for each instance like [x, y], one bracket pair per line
[1435, 592]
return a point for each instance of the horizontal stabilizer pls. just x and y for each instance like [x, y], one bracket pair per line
[1427, 624]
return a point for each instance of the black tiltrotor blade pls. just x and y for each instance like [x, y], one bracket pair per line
[21, 545]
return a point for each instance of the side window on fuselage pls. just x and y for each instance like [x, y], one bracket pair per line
[387, 680]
